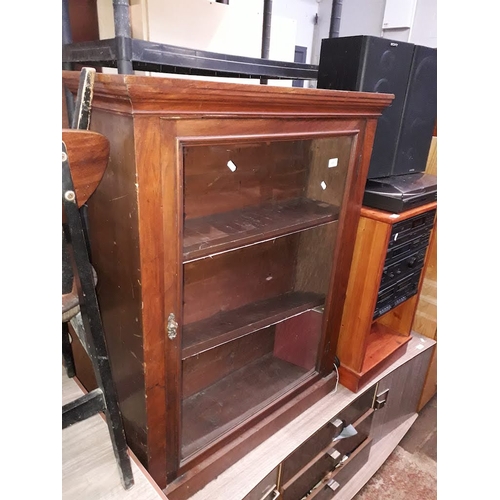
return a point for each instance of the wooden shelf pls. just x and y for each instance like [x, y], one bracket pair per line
[382, 342]
[229, 325]
[218, 408]
[204, 236]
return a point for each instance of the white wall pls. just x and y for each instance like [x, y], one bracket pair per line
[424, 29]
[366, 17]
[303, 13]
[362, 17]
[201, 24]
[322, 28]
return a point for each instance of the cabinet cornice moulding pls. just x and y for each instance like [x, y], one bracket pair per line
[176, 96]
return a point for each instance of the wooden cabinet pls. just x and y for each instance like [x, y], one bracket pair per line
[222, 234]
[324, 467]
[383, 290]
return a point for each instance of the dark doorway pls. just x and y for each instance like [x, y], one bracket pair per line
[300, 57]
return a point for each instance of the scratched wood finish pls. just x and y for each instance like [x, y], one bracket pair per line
[88, 154]
[138, 226]
[115, 249]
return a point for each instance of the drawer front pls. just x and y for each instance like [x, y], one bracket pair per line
[266, 489]
[315, 474]
[307, 452]
[358, 407]
[346, 446]
[307, 479]
[357, 459]
[320, 441]
[334, 481]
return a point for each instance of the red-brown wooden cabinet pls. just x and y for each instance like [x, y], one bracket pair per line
[222, 234]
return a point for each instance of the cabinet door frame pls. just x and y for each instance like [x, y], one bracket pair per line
[175, 133]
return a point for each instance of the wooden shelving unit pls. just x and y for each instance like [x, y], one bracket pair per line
[375, 326]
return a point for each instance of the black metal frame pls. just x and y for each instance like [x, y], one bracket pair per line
[129, 54]
[104, 398]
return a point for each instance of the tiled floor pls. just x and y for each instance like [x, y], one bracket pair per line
[410, 473]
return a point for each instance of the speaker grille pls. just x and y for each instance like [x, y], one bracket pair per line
[419, 113]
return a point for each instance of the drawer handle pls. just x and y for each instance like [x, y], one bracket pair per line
[381, 400]
[274, 491]
[335, 455]
[333, 485]
[172, 326]
[338, 425]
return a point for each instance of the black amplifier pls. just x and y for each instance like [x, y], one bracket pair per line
[392, 296]
[404, 261]
[410, 264]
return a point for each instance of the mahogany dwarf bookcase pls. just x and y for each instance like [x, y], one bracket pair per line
[222, 234]
[370, 337]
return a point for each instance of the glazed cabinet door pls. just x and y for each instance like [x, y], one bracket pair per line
[260, 232]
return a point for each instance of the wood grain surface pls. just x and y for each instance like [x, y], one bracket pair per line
[89, 469]
[88, 155]
[138, 94]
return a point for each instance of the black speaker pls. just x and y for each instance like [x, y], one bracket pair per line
[374, 64]
[419, 113]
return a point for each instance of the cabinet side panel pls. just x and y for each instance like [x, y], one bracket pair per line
[114, 239]
[148, 146]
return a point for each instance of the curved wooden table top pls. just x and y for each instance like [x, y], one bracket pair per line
[88, 155]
